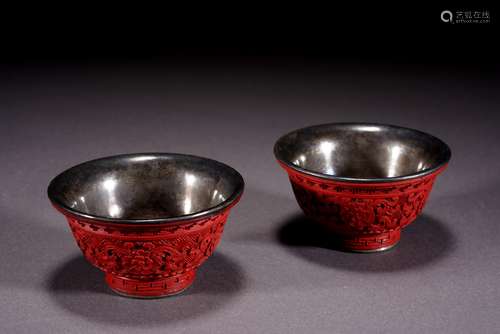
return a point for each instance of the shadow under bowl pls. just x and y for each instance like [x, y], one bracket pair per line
[363, 181]
[147, 220]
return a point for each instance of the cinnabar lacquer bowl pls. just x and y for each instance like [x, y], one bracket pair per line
[362, 182]
[147, 220]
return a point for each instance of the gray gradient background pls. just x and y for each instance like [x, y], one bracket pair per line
[268, 275]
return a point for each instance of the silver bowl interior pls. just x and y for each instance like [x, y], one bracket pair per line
[145, 187]
[362, 152]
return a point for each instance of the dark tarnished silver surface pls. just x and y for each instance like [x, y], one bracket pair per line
[362, 152]
[146, 188]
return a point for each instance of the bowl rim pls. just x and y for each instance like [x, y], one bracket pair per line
[226, 204]
[443, 161]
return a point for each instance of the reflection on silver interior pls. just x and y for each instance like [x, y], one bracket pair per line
[145, 186]
[365, 151]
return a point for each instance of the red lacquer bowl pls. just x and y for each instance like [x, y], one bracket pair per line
[362, 182]
[147, 220]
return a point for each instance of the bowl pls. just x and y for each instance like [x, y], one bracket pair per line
[362, 182]
[147, 220]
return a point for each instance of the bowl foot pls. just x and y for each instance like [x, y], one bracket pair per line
[370, 243]
[163, 287]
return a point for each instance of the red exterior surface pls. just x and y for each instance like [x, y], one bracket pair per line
[148, 260]
[363, 217]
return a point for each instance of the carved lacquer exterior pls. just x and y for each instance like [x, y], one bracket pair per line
[148, 260]
[363, 216]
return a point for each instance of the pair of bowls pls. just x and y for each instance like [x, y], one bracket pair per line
[150, 220]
